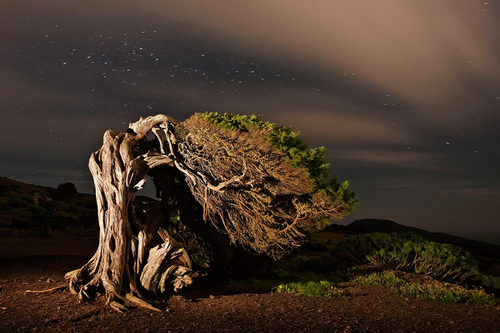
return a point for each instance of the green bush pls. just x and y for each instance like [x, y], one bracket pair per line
[385, 279]
[17, 203]
[35, 209]
[28, 198]
[440, 293]
[490, 281]
[310, 288]
[56, 221]
[4, 206]
[411, 253]
[72, 209]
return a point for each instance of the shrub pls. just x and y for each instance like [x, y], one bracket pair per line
[28, 198]
[17, 203]
[490, 281]
[438, 292]
[36, 209]
[56, 221]
[310, 288]
[72, 209]
[385, 279]
[4, 207]
[411, 253]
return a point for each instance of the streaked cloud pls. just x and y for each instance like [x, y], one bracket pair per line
[426, 52]
[388, 158]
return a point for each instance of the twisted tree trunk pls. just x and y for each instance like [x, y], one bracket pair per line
[136, 257]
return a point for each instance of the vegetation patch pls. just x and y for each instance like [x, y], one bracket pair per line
[490, 281]
[311, 288]
[410, 252]
[445, 293]
[37, 204]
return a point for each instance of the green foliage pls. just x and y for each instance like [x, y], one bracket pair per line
[412, 253]
[17, 203]
[384, 279]
[72, 209]
[56, 221]
[440, 293]
[295, 150]
[28, 198]
[200, 260]
[490, 281]
[35, 209]
[4, 207]
[311, 288]
[235, 121]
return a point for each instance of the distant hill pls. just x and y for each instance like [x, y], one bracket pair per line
[366, 226]
[32, 207]
[39, 209]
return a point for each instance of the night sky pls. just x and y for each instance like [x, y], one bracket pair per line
[405, 95]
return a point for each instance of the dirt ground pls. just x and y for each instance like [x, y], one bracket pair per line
[229, 308]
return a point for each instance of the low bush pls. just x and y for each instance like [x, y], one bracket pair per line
[411, 253]
[56, 221]
[4, 207]
[17, 203]
[28, 198]
[311, 288]
[35, 209]
[72, 209]
[429, 292]
[490, 281]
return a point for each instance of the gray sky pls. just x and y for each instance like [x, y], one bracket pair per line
[404, 94]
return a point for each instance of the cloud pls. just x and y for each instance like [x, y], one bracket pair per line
[18, 90]
[449, 187]
[388, 158]
[432, 54]
[318, 116]
[342, 128]
[420, 51]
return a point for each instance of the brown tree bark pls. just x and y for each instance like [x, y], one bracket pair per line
[136, 258]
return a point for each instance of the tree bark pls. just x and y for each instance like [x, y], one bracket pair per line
[136, 258]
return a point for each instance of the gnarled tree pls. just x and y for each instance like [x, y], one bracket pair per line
[235, 182]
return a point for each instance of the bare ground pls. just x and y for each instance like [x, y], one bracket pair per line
[231, 308]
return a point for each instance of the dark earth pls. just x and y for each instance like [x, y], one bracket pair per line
[232, 307]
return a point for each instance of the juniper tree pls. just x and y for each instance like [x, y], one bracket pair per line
[232, 182]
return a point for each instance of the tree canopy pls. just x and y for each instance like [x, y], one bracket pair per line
[283, 188]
